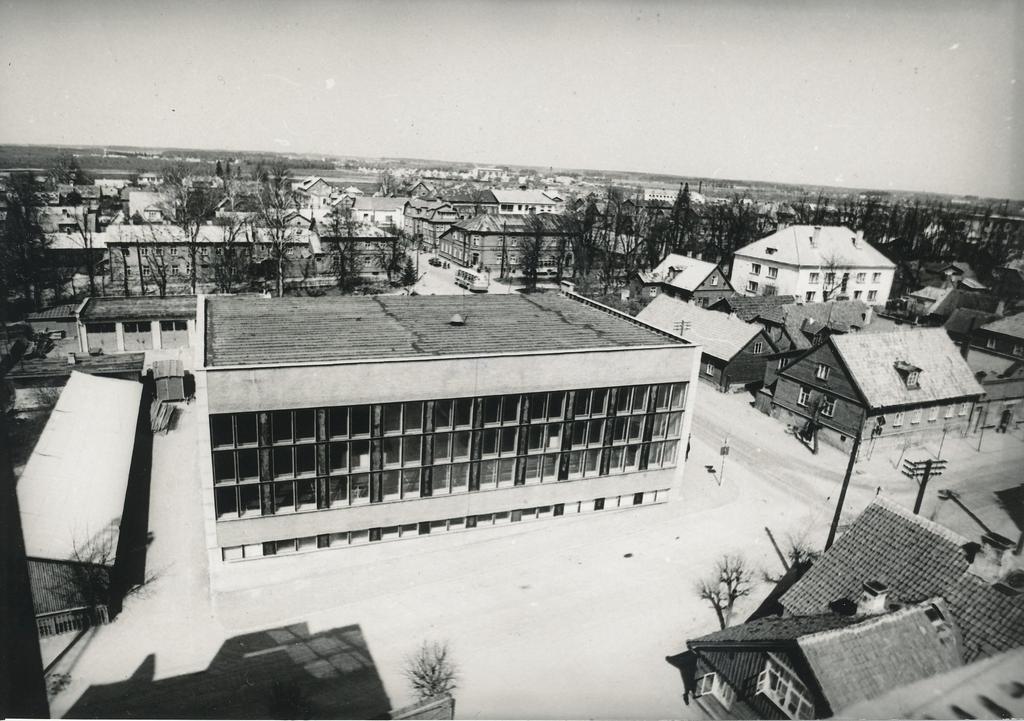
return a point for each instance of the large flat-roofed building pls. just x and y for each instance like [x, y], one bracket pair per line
[341, 421]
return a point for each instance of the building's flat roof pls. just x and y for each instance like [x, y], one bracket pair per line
[309, 330]
[139, 308]
[71, 494]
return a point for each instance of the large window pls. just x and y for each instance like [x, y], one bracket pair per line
[316, 458]
[780, 685]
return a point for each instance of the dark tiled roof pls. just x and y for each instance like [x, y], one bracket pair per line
[66, 310]
[989, 619]
[57, 366]
[917, 559]
[54, 587]
[914, 557]
[777, 628]
[869, 658]
[488, 223]
[139, 308]
[1011, 326]
[748, 307]
[964, 299]
[964, 320]
[288, 330]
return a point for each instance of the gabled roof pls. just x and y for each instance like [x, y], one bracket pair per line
[722, 336]
[803, 320]
[526, 197]
[956, 298]
[749, 307]
[917, 559]
[255, 331]
[988, 688]
[374, 203]
[72, 491]
[680, 271]
[487, 223]
[965, 320]
[861, 661]
[1012, 326]
[872, 357]
[793, 245]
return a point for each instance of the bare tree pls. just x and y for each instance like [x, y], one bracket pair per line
[430, 671]
[232, 258]
[276, 202]
[531, 250]
[24, 262]
[190, 207]
[832, 276]
[729, 582]
[391, 253]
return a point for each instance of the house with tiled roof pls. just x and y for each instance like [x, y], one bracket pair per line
[426, 220]
[989, 688]
[496, 243]
[896, 386]
[749, 307]
[683, 277]
[898, 599]
[798, 326]
[995, 352]
[934, 305]
[733, 353]
[813, 263]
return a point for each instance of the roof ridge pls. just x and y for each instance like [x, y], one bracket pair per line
[931, 526]
[867, 622]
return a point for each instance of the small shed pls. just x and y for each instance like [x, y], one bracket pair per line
[170, 380]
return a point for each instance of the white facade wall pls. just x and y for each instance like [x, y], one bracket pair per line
[803, 280]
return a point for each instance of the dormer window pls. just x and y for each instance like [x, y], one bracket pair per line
[770, 251]
[910, 373]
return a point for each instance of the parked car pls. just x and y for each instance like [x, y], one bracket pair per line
[434, 262]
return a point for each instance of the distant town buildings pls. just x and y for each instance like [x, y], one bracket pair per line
[498, 243]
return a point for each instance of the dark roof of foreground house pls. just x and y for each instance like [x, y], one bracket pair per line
[138, 308]
[489, 224]
[803, 321]
[964, 321]
[1012, 326]
[916, 559]
[873, 360]
[748, 307]
[989, 688]
[257, 331]
[843, 659]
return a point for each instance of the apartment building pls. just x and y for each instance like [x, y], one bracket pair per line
[341, 421]
[498, 242]
[814, 263]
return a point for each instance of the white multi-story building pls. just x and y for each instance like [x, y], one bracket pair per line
[814, 263]
[517, 202]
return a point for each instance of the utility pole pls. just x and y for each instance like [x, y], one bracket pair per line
[923, 470]
[842, 491]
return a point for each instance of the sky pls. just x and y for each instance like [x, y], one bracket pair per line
[908, 95]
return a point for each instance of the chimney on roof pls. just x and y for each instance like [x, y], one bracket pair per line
[72, 359]
[873, 599]
[858, 238]
[816, 235]
[989, 557]
[457, 320]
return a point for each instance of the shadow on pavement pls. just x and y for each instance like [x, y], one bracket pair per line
[1012, 501]
[278, 673]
